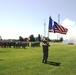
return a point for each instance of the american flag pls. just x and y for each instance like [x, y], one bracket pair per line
[59, 29]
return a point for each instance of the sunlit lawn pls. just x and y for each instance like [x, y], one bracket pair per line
[61, 61]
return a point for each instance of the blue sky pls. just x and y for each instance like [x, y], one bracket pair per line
[26, 17]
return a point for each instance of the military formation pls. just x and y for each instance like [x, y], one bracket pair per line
[18, 44]
[35, 44]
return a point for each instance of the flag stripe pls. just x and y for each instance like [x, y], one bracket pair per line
[59, 29]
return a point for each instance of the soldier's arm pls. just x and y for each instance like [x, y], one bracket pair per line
[48, 44]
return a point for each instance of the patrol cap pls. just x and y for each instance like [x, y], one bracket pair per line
[44, 40]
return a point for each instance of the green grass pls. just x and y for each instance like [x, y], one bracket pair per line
[29, 61]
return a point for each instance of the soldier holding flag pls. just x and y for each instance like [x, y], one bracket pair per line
[45, 46]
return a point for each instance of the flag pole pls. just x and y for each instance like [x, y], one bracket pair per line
[49, 26]
[58, 23]
[48, 32]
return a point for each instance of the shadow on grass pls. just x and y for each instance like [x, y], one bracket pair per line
[53, 63]
[3, 51]
[1, 59]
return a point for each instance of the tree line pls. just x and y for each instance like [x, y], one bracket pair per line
[39, 38]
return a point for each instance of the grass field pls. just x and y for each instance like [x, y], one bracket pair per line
[61, 61]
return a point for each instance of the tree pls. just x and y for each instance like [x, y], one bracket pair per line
[32, 38]
[61, 39]
[36, 38]
[0, 38]
[21, 38]
[39, 37]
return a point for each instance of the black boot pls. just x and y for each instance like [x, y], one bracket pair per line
[43, 61]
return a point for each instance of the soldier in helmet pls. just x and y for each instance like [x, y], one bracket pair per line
[45, 46]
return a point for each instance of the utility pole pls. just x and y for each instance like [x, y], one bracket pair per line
[58, 18]
[44, 29]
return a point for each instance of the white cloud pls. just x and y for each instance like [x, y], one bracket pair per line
[71, 25]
